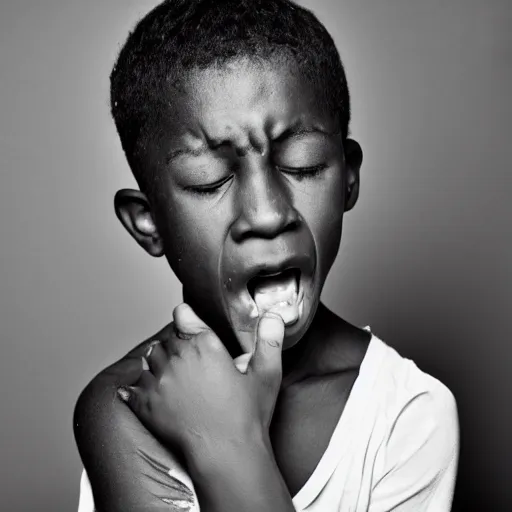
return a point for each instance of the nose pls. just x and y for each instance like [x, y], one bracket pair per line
[264, 208]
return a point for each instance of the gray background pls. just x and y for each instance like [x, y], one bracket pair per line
[425, 257]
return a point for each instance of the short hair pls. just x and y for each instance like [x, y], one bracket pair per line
[181, 35]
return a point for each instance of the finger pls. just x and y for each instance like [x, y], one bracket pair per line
[147, 381]
[156, 358]
[266, 360]
[135, 398]
[176, 344]
[187, 322]
[126, 371]
[242, 362]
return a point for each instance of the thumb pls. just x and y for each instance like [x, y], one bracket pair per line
[266, 360]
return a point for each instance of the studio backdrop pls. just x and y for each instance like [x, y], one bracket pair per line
[425, 258]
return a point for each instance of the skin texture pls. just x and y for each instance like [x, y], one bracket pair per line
[245, 116]
[256, 133]
[191, 380]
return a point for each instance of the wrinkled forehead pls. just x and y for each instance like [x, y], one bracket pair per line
[242, 102]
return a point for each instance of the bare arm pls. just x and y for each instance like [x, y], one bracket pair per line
[231, 462]
[242, 477]
[195, 396]
[127, 467]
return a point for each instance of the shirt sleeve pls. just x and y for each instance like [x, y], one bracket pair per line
[419, 456]
[85, 501]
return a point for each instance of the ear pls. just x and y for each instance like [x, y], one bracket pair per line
[353, 161]
[133, 210]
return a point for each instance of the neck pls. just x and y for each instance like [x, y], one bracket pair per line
[299, 360]
[330, 346]
[321, 350]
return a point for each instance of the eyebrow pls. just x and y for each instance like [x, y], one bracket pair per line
[297, 130]
[172, 155]
[202, 150]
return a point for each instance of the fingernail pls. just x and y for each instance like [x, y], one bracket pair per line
[123, 393]
[145, 365]
[150, 348]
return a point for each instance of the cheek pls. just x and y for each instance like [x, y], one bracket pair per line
[193, 239]
[324, 216]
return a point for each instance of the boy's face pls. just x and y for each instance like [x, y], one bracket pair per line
[252, 179]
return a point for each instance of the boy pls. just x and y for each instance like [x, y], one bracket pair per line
[234, 119]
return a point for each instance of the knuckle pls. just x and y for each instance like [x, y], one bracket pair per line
[148, 404]
[210, 341]
[180, 332]
[184, 335]
[143, 401]
[153, 350]
[274, 343]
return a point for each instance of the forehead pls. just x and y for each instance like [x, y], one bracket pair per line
[242, 99]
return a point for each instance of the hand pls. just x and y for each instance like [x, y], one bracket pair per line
[193, 397]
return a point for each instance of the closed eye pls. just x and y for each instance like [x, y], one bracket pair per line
[210, 188]
[301, 173]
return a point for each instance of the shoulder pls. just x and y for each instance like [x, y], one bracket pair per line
[404, 386]
[120, 371]
[418, 447]
[419, 414]
[124, 463]
[97, 405]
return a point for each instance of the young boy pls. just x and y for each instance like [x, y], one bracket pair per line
[234, 118]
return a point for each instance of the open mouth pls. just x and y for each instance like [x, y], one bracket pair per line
[278, 292]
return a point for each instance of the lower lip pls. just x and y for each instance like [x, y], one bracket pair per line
[299, 316]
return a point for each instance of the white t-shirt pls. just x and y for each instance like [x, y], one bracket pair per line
[395, 447]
